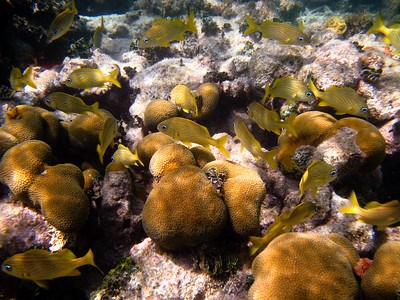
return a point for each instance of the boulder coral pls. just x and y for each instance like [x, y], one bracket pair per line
[208, 96]
[243, 193]
[170, 157]
[382, 279]
[58, 190]
[305, 266]
[158, 110]
[183, 209]
[22, 163]
[311, 128]
[149, 145]
[202, 155]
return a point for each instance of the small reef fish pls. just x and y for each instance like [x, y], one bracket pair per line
[41, 265]
[86, 78]
[285, 33]
[249, 142]
[344, 99]
[98, 34]
[288, 88]
[106, 136]
[374, 213]
[125, 156]
[392, 34]
[18, 79]
[183, 97]
[61, 23]
[164, 31]
[318, 173]
[69, 104]
[269, 119]
[189, 132]
[282, 224]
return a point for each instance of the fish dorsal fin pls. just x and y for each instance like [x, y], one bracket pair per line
[372, 204]
[394, 203]
[386, 40]
[323, 103]
[66, 254]
[395, 26]
[301, 25]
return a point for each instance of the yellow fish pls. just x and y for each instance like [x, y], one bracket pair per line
[183, 97]
[288, 88]
[344, 99]
[318, 173]
[125, 156]
[18, 79]
[98, 34]
[69, 104]
[164, 31]
[269, 119]
[285, 33]
[86, 78]
[374, 213]
[392, 34]
[62, 22]
[41, 265]
[282, 224]
[249, 142]
[189, 132]
[106, 136]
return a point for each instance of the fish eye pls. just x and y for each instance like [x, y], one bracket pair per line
[7, 268]
[47, 100]
[364, 109]
[308, 94]
[164, 127]
[69, 80]
[300, 38]
[146, 40]
[333, 173]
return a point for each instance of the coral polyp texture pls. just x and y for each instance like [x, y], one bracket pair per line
[381, 280]
[208, 95]
[183, 209]
[158, 110]
[150, 144]
[306, 266]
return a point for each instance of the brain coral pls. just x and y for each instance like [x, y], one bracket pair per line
[149, 145]
[202, 155]
[243, 193]
[7, 141]
[58, 191]
[311, 128]
[183, 209]
[158, 110]
[368, 138]
[22, 163]
[303, 266]
[170, 157]
[209, 97]
[382, 279]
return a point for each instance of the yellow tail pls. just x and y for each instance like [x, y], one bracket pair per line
[28, 77]
[257, 243]
[191, 23]
[100, 152]
[288, 124]
[314, 89]
[112, 77]
[353, 208]
[220, 145]
[89, 259]
[266, 94]
[268, 156]
[253, 26]
[378, 26]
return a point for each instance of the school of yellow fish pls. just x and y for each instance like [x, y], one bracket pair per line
[41, 265]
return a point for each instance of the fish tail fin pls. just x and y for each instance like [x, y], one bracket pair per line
[378, 26]
[266, 94]
[252, 26]
[100, 152]
[191, 23]
[353, 208]
[113, 77]
[73, 7]
[314, 89]
[138, 161]
[269, 157]
[220, 145]
[256, 244]
[28, 77]
[89, 259]
[288, 124]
